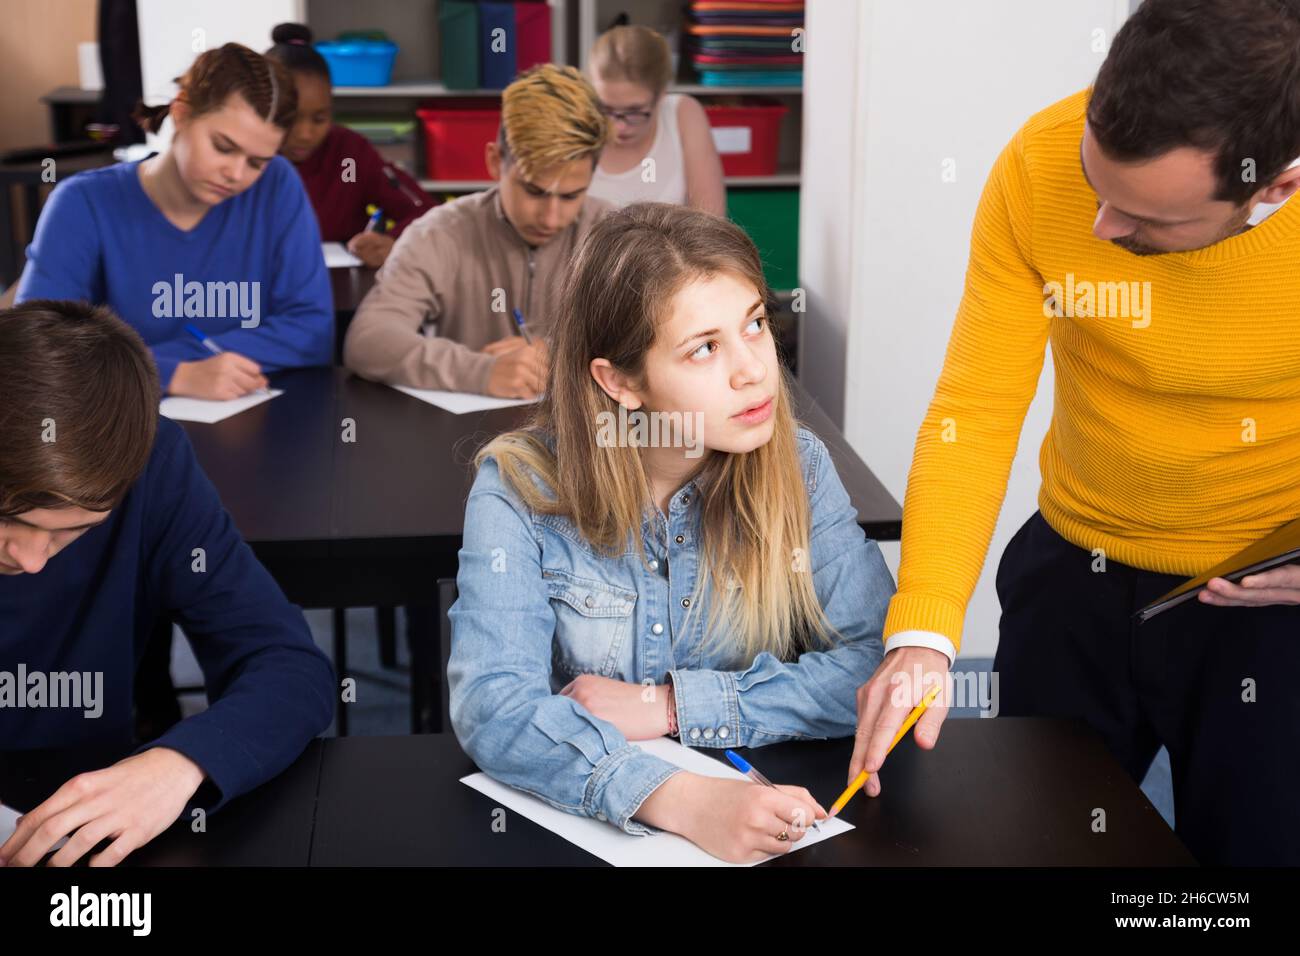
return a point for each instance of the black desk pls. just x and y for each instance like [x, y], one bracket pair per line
[296, 489]
[377, 521]
[272, 826]
[1002, 792]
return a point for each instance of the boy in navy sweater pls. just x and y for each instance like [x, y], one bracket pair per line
[106, 523]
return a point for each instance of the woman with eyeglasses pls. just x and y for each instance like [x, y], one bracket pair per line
[660, 148]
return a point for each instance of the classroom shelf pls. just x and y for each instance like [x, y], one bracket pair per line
[408, 90]
[432, 89]
[699, 89]
[789, 177]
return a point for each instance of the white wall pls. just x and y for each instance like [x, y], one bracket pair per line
[174, 32]
[892, 89]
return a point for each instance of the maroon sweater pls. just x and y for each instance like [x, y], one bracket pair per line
[341, 206]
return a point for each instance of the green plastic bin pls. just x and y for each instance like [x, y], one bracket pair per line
[771, 217]
[458, 44]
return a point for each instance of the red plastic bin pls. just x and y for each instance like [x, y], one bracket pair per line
[455, 132]
[747, 136]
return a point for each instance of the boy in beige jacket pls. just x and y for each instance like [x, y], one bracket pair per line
[462, 269]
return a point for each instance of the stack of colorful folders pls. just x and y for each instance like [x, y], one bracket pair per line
[746, 42]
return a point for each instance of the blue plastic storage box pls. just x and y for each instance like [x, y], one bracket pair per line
[359, 62]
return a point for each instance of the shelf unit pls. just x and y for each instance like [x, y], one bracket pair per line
[574, 26]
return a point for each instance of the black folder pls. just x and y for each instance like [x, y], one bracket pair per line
[1280, 547]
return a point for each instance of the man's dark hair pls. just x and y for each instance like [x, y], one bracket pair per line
[78, 407]
[1220, 75]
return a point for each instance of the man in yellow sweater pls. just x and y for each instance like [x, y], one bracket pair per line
[1142, 228]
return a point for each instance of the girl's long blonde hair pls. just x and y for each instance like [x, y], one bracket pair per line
[754, 513]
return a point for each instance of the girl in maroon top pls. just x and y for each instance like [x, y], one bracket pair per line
[318, 149]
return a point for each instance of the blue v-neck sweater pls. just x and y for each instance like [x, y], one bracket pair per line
[250, 274]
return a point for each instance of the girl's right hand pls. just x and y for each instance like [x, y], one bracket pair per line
[734, 820]
[222, 377]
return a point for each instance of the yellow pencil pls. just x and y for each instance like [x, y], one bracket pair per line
[912, 718]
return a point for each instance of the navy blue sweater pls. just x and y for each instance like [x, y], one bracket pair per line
[91, 609]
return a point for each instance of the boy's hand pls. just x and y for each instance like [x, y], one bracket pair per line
[130, 803]
[508, 344]
[519, 372]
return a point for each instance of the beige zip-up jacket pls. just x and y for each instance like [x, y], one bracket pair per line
[450, 286]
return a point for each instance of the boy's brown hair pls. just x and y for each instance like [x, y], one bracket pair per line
[78, 407]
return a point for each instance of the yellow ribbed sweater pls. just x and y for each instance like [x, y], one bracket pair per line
[1175, 432]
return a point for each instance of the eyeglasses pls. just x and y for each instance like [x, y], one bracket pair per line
[630, 117]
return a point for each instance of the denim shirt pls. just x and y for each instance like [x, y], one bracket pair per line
[538, 606]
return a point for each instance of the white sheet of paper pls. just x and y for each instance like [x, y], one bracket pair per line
[203, 410]
[337, 256]
[623, 849]
[8, 822]
[458, 403]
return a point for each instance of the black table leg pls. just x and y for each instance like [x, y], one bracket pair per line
[386, 625]
[341, 666]
[423, 636]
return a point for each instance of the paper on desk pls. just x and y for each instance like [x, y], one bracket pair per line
[8, 822]
[458, 403]
[203, 410]
[623, 849]
[337, 256]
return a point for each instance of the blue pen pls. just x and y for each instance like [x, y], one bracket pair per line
[213, 347]
[748, 769]
[373, 224]
[523, 329]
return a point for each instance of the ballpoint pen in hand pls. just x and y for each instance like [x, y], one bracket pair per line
[748, 769]
[214, 348]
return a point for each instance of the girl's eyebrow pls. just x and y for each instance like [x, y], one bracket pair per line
[758, 304]
[227, 141]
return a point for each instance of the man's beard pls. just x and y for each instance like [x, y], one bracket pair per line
[1239, 223]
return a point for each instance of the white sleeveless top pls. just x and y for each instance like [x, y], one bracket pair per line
[669, 166]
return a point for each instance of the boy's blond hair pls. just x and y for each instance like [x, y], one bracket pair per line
[550, 116]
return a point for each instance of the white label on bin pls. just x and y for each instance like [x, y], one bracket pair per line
[732, 139]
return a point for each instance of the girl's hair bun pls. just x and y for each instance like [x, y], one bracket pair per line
[291, 33]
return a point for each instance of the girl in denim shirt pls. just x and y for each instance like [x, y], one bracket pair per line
[662, 550]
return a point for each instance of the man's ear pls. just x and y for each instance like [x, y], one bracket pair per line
[492, 156]
[1282, 187]
[615, 384]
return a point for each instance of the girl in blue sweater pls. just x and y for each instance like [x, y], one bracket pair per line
[215, 232]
